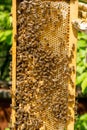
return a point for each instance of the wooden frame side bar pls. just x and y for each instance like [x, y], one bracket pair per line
[14, 4]
[72, 40]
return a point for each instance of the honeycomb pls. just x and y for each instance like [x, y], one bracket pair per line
[42, 70]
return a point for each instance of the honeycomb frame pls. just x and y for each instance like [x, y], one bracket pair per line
[72, 38]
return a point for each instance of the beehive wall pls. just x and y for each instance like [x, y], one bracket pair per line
[44, 67]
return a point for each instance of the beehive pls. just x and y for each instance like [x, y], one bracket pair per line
[43, 64]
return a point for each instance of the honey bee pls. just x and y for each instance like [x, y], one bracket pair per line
[73, 47]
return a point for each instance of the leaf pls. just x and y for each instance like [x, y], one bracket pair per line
[2, 7]
[80, 68]
[84, 125]
[81, 123]
[5, 20]
[83, 117]
[8, 34]
[78, 59]
[5, 37]
[2, 36]
[84, 85]
[7, 129]
[82, 35]
[82, 53]
[81, 78]
[81, 43]
[79, 35]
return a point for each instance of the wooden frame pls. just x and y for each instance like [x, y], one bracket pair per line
[72, 39]
[14, 60]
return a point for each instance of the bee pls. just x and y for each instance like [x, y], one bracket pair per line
[59, 6]
[15, 37]
[73, 47]
[71, 96]
[73, 69]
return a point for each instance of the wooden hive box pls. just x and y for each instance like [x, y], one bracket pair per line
[43, 64]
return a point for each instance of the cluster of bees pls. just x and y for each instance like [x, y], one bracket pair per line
[42, 75]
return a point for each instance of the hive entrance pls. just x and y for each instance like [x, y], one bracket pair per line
[44, 65]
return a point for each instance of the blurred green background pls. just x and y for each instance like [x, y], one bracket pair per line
[5, 38]
[81, 80]
[5, 57]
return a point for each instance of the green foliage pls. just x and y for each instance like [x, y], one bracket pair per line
[7, 129]
[5, 20]
[81, 123]
[81, 62]
[5, 38]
